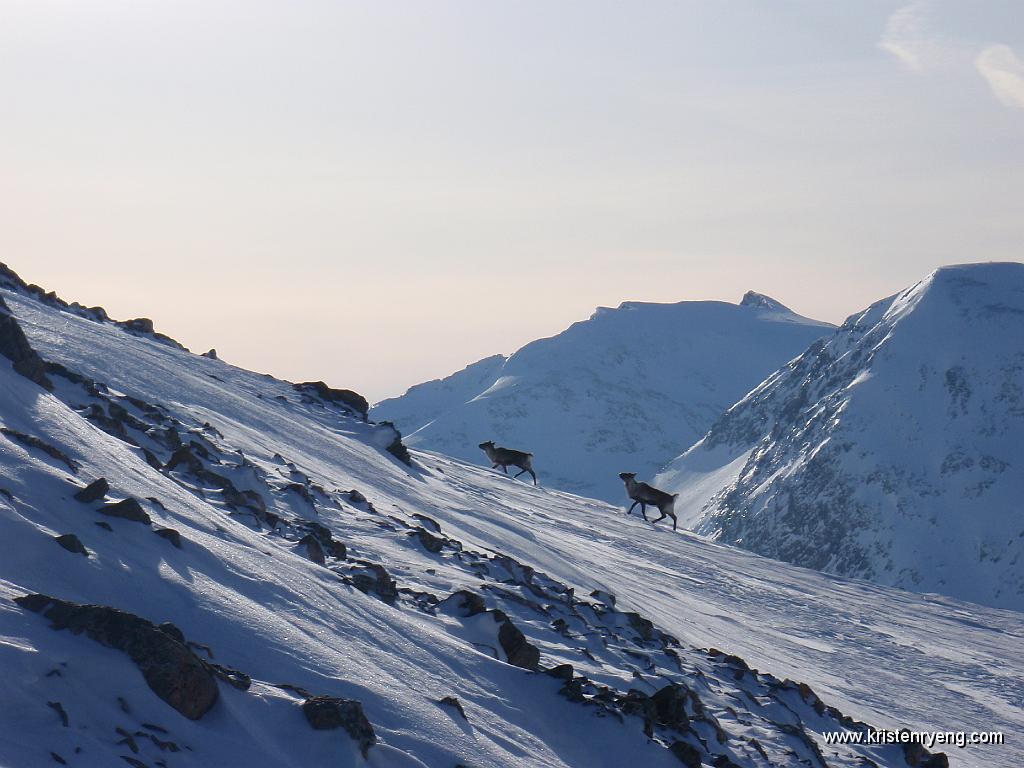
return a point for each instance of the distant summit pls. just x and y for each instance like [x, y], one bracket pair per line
[760, 301]
[889, 451]
[624, 390]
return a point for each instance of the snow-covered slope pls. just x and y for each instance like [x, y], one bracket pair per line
[890, 451]
[313, 562]
[623, 391]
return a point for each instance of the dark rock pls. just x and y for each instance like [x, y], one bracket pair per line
[94, 491]
[356, 497]
[15, 347]
[454, 703]
[395, 446]
[104, 525]
[138, 324]
[232, 677]
[170, 534]
[151, 459]
[463, 603]
[57, 707]
[58, 759]
[72, 543]
[184, 455]
[351, 400]
[326, 713]
[212, 354]
[670, 706]
[561, 672]
[127, 509]
[172, 671]
[30, 441]
[519, 651]
[644, 627]
[314, 551]
[430, 542]
[375, 578]
[688, 754]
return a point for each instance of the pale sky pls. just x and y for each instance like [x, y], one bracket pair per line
[378, 193]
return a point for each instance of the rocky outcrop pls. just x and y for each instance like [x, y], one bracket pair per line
[519, 651]
[31, 441]
[94, 491]
[72, 543]
[15, 347]
[326, 713]
[346, 397]
[126, 509]
[171, 670]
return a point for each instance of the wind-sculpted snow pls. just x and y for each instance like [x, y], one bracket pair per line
[358, 611]
[890, 451]
[623, 391]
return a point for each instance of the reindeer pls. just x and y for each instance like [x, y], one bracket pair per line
[503, 457]
[644, 494]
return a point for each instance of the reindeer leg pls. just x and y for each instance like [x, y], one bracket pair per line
[533, 475]
[630, 512]
[643, 510]
[517, 475]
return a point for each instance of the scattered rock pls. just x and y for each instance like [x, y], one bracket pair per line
[463, 603]
[561, 672]
[211, 353]
[430, 542]
[58, 759]
[326, 713]
[30, 441]
[454, 703]
[71, 543]
[57, 707]
[351, 400]
[519, 651]
[170, 534]
[127, 509]
[104, 525]
[313, 550]
[94, 491]
[688, 754]
[15, 347]
[172, 671]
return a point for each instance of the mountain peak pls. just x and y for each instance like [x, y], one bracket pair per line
[761, 301]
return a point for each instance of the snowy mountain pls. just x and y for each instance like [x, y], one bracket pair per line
[203, 566]
[890, 451]
[623, 391]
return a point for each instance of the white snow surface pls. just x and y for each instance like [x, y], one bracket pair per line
[890, 451]
[244, 588]
[623, 391]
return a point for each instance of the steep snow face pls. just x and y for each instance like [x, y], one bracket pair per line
[890, 451]
[622, 391]
[311, 562]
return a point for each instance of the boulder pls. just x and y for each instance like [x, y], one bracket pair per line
[71, 543]
[94, 491]
[312, 549]
[519, 651]
[171, 670]
[15, 347]
[170, 534]
[326, 713]
[351, 400]
[128, 509]
[688, 754]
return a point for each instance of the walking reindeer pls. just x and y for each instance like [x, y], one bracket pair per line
[644, 494]
[506, 457]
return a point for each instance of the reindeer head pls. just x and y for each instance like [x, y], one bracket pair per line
[489, 445]
[626, 476]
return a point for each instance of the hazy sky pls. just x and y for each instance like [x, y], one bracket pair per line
[379, 193]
